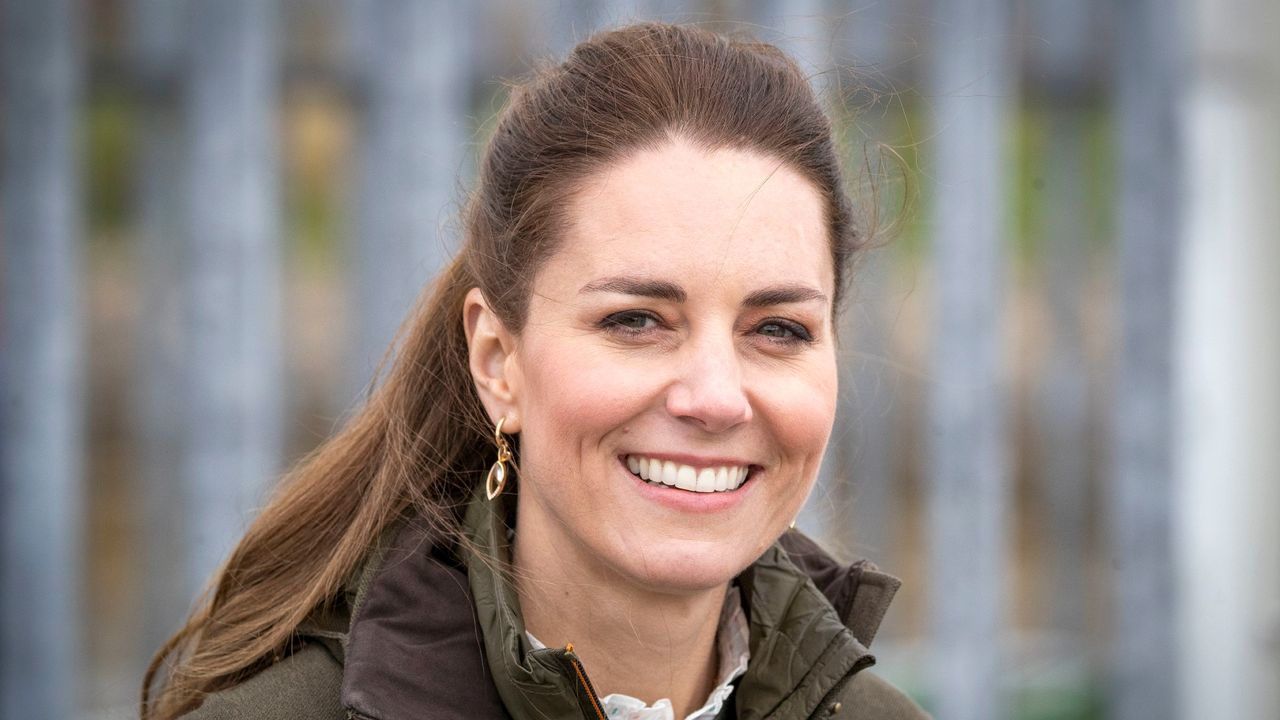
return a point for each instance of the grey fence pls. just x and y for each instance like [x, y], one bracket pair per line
[1059, 392]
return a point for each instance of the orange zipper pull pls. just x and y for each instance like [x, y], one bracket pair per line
[589, 690]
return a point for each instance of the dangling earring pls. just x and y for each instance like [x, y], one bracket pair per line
[497, 479]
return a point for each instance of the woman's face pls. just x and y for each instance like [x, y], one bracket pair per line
[681, 332]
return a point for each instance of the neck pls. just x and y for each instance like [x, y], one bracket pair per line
[632, 640]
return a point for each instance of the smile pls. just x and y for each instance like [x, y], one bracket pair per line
[686, 477]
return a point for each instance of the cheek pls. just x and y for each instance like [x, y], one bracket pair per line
[572, 397]
[802, 407]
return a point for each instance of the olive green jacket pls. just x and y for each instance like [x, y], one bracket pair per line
[423, 633]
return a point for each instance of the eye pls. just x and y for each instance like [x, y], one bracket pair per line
[630, 321]
[784, 331]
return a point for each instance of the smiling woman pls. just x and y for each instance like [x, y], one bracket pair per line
[644, 310]
[705, 321]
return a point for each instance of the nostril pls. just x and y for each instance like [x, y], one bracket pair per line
[714, 409]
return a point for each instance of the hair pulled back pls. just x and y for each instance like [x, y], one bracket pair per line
[421, 442]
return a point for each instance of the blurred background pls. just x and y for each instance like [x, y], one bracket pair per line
[1060, 393]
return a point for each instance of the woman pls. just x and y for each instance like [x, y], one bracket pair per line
[641, 321]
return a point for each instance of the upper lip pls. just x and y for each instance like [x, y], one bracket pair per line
[698, 461]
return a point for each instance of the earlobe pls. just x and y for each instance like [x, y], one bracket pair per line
[492, 362]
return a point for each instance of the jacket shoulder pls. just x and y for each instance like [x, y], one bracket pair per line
[869, 697]
[307, 684]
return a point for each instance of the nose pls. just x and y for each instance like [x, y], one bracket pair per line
[709, 391]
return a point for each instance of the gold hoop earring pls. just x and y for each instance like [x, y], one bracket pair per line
[497, 480]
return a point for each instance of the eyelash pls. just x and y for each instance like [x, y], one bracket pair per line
[799, 333]
[614, 323]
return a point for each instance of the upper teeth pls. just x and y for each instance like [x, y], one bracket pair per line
[687, 477]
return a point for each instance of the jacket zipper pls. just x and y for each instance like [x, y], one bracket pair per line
[592, 698]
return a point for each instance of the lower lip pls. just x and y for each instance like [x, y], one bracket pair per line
[684, 500]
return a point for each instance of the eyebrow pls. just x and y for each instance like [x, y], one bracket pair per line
[783, 295]
[664, 290]
[659, 289]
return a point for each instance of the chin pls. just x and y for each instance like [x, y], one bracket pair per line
[681, 566]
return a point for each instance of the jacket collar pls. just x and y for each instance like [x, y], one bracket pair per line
[436, 635]
[413, 645]
[533, 683]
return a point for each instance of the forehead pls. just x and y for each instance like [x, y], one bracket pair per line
[699, 217]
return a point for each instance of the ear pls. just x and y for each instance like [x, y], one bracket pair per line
[492, 359]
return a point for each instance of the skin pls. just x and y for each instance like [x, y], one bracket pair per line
[604, 367]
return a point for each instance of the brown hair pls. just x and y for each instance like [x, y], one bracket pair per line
[420, 444]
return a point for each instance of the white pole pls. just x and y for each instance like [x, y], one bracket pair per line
[41, 378]
[1143, 638]
[233, 399]
[971, 91]
[413, 87]
[156, 30]
[1228, 367]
